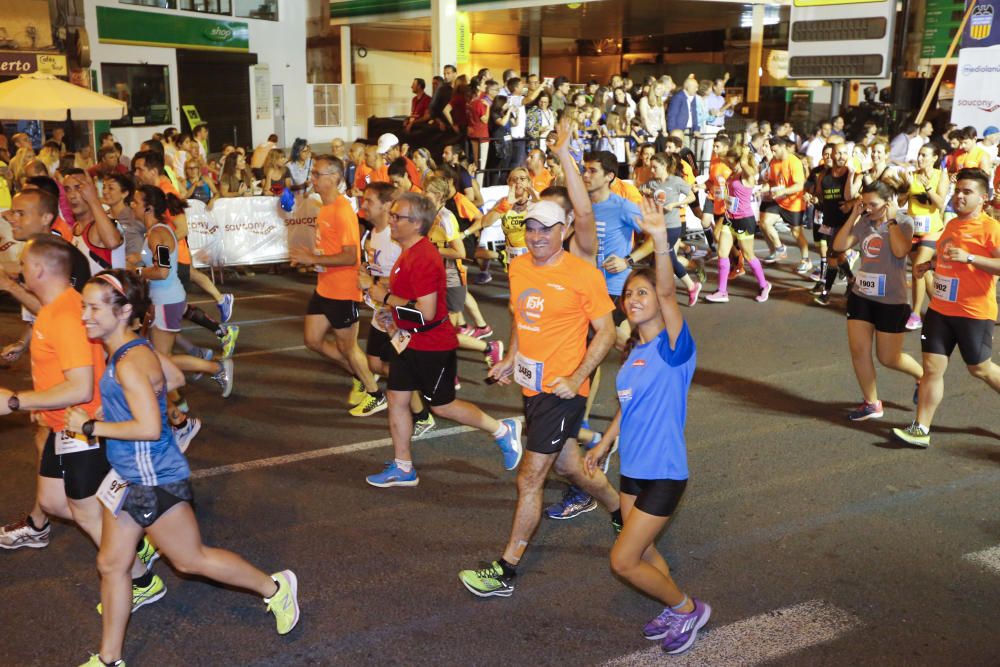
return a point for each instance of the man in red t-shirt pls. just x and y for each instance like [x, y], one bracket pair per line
[425, 341]
[334, 304]
[419, 106]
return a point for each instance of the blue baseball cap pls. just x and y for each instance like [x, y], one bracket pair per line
[992, 129]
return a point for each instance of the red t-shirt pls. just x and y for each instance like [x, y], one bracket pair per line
[419, 105]
[459, 110]
[478, 129]
[418, 272]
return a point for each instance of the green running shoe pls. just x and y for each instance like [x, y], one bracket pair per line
[95, 661]
[487, 582]
[141, 596]
[914, 435]
[228, 340]
[285, 603]
[147, 553]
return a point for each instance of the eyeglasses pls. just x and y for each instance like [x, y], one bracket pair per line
[321, 173]
[396, 216]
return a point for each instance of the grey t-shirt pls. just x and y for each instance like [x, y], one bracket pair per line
[133, 230]
[880, 275]
[674, 189]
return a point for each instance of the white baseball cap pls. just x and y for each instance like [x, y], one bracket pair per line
[546, 212]
[387, 141]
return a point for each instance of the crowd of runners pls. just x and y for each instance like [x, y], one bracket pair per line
[593, 261]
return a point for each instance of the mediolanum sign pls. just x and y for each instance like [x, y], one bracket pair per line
[14, 63]
[126, 26]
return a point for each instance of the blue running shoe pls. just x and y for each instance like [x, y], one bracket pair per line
[573, 503]
[510, 444]
[392, 475]
[205, 354]
[226, 307]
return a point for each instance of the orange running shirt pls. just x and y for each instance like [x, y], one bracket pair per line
[961, 290]
[974, 159]
[718, 174]
[626, 190]
[59, 343]
[365, 175]
[337, 227]
[784, 174]
[541, 180]
[183, 250]
[553, 306]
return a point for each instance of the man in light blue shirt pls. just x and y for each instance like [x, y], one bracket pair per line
[718, 108]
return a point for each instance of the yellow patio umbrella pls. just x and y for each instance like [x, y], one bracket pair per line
[44, 97]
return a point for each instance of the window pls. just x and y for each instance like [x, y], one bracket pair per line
[257, 9]
[144, 88]
[326, 105]
[208, 6]
[162, 4]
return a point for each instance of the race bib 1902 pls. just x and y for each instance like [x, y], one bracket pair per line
[945, 289]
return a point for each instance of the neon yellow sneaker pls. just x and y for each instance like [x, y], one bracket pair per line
[147, 553]
[358, 392]
[95, 661]
[285, 603]
[141, 596]
[370, 405]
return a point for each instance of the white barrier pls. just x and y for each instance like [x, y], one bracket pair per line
[249, 230]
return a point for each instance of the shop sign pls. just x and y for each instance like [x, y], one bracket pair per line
[127, 26]
[463, 38]
[12, 64]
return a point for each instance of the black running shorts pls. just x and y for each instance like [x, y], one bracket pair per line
[658, 497]
[431, 372]
[743, 228]
[81, 473]
[550, 421]
[378, 345]
[146, 504]
[339, 312]
[886, 317]
[791, 218]
[941, 333]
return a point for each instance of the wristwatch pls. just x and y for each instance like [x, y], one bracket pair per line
[13, 403]
[629, 260]
[88, 428]
[969, 259]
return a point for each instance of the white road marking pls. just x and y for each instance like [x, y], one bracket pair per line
[246, 323]
[277, 295]
[273, 461]
[988, 558]
[754, 640]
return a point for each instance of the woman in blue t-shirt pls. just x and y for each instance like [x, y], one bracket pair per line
[652, 389]
[148, 489]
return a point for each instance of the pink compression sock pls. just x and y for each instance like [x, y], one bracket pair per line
[724, 275]
[758, 272]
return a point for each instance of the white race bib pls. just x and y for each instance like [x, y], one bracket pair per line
[870, 284]
[71, 443]
[528, 372]
[921, 224]
[945, 289]
[400, 340]
[112, 492]
[514, 251]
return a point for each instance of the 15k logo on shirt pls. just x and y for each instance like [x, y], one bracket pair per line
[530, 305]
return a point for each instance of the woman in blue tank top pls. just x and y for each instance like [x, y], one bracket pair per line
[148, 489]
[652, 389]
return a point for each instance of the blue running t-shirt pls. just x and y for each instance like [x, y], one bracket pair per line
[616, 225]
[652, 386]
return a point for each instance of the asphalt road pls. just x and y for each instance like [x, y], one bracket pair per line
[816, 541]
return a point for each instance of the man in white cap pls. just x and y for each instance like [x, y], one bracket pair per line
[391, 150]
[555, 297]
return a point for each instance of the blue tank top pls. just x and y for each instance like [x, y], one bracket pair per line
[652, 386]
[170, 289]
[145, 462]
